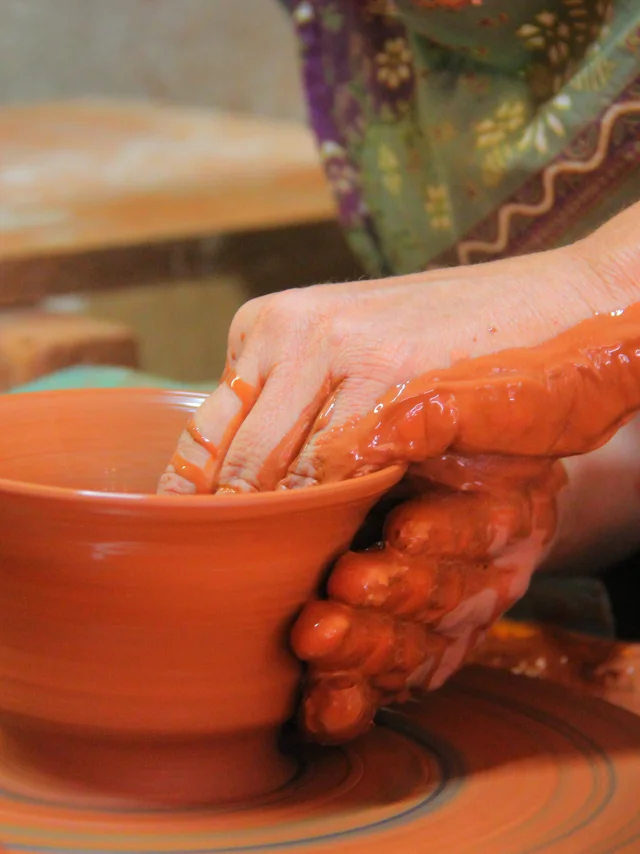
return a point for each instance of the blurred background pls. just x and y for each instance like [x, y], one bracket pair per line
[155, 173]
[226, 54]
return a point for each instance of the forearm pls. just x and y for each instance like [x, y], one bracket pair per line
[523, 302]
[613, 252]
[599, 509]
[599, 522]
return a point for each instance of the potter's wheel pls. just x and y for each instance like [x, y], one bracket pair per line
[492, 763]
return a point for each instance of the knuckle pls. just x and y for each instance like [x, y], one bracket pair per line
[290, 311]
[235, 478]
[338, 707]
[342, 332]
[358, 349]
[301, 472]
[321, 631]
[243, 321]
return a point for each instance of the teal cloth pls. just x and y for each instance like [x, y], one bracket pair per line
[87, 376]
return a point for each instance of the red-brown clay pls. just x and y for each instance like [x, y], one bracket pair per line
[143, 645]
[403, 616]
[566, 396]
[486, 436]
[492, 762]
[597, 667]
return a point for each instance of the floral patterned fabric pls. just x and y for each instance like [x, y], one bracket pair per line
[458, 131]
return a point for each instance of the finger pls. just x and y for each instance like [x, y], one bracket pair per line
[338, 708]
[241, 326]
[330, 636]
[202, 446]
[457, 524]
[438, 550]
[334, 638]
[458, 650]
[354, 398]
[358, 661]
[422, 589]
[271, 436]
[195, 463]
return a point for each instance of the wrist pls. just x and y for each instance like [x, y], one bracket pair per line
[598, 508]
[611, 256]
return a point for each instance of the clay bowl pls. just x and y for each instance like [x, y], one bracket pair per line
[143, 638]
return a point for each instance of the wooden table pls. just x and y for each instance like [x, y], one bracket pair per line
[81, 176]
[89, 174]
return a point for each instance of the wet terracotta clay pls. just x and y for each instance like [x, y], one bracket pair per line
[402, 616]
[486, 436]
[492, 763]
[592, 666]
[143, 640]
[541, 402]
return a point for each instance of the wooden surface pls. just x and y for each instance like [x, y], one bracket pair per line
[34, 344]
[84, 175]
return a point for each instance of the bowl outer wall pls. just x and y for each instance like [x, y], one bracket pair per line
[134, 614]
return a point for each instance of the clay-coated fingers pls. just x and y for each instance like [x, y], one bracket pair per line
[353, 398]
[340, 702]
[337, 708]
[331, 636]
[202, 446]
[423, 589]
[334, 638]
[271, 436]
[439, 548]
[195, 465]
[468, 525]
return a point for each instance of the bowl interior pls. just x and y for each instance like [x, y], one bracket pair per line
[98, 440]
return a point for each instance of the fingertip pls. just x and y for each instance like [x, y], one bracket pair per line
[172, 483]
[236, 486]
[192, 469]
[363, 579]
[206, 438]
[337, 709]
[296, 481]
[320, 630]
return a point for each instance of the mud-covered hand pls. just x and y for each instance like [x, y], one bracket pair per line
[400, 618]
[331, 381]
[487, 436]
[482, 379]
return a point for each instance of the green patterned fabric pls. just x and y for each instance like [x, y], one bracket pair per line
[456, 131]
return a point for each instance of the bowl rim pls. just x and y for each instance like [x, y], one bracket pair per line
[343, 491]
